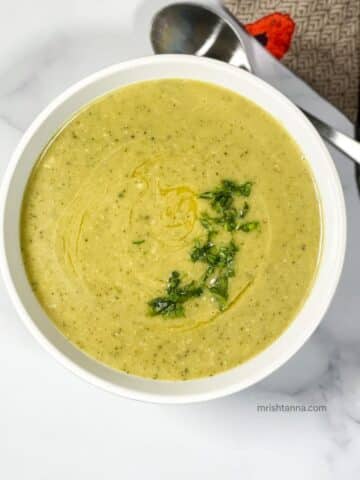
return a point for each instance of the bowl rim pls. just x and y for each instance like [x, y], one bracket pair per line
[68, 363]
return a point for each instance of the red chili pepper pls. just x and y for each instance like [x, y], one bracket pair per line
[274, 31]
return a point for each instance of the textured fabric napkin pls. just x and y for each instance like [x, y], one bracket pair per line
[319, 40]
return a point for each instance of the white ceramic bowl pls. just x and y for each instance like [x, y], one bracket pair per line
[333, 240]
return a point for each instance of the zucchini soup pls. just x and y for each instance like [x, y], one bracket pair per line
[171, 229]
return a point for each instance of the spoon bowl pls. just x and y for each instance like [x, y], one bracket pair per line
[196, 30]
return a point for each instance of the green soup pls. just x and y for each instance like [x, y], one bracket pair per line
[171, 229]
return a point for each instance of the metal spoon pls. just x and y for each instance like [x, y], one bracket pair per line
[196, 30]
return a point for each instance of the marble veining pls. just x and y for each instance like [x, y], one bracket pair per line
[53, 425]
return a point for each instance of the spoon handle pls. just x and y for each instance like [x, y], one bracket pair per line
[342, 142]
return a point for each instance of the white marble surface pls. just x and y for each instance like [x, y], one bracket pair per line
[53, 425]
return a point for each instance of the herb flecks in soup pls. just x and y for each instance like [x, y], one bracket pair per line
[179, 199]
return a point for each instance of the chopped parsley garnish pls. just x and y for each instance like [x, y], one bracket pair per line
[248, 227]
[204, 252]
[244, 210]
[138, 242]
[171, 305]
[222, 201]
[220, 261]
[222, 197]
[218, 258]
